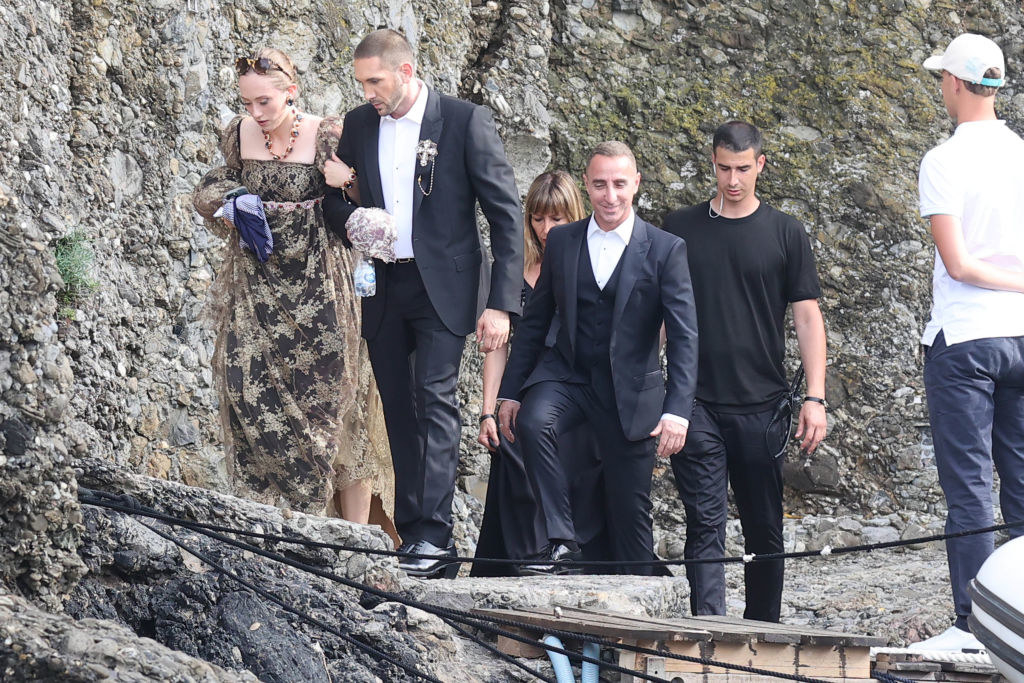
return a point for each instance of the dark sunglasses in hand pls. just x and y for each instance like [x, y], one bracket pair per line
[260, 65]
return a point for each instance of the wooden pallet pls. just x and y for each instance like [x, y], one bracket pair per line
[774, 647]
[920, 668]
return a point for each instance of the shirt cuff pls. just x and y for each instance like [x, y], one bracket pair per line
[675, 418]
[510, 400]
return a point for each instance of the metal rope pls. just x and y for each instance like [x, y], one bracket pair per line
[365, 647]
[91, 496]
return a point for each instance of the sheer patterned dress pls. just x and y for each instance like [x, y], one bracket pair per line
[299, 409]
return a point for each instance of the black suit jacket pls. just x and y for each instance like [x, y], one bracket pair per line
[470, 166]
[654, 286]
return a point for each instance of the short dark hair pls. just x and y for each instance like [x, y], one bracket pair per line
[738, 136]
[388, 45]
[985, 90]
[611, 148]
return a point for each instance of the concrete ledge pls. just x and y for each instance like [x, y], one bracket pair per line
[635, 595]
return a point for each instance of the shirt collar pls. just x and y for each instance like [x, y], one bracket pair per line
[419, 108]
[972, 126]
[624, 230]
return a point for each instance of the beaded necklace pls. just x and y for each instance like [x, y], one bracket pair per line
[296, 119]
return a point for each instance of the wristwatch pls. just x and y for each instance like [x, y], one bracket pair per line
[817, 399]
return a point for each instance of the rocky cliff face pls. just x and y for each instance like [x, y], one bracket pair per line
[114, 106]
[848, 113]
[39, 517]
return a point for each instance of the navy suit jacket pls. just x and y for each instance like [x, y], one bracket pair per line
[654, 287]
[470, 166]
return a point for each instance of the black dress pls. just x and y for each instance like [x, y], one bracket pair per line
[513, 526]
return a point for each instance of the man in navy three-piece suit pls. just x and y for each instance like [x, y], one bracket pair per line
[609, 283]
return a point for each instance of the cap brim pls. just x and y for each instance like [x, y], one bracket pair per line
[934, 63]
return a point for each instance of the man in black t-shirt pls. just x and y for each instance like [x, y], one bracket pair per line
[748, 262]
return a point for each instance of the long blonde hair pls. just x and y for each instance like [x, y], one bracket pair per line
[550, 193]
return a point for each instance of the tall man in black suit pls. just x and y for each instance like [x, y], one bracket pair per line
[610, 281]
[427, 159]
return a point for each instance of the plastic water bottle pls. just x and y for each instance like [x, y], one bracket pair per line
[365, 277]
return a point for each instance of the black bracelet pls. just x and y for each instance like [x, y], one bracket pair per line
[815, 399]
[487, 416]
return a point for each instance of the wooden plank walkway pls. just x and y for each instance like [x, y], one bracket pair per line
[774, 647]
[920, 668]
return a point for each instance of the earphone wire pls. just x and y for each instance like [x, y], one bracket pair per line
[711, 211]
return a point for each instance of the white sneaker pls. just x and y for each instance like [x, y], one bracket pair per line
[952, 639]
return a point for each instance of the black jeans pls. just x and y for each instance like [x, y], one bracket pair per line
[741, 446]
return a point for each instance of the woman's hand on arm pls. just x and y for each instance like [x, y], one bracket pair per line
[340, 175]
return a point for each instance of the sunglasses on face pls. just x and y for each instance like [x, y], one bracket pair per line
[260, 65]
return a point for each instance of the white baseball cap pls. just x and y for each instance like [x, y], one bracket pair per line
[968, 57]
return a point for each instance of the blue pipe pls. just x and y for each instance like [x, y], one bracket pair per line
[559, 662]
[591, 671]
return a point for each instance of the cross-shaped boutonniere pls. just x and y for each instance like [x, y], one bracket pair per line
[426, 152]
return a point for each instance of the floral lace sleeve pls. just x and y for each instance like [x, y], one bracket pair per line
[207, 197]
[327, 136]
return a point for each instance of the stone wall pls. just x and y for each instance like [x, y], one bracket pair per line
[114, 108]
[848, 113]
[154, 86]
[39, 515]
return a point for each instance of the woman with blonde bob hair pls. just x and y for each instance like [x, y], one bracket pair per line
[301, 418]
[513, 526]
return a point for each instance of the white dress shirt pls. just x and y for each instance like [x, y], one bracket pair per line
[396, 154]
[606, 247]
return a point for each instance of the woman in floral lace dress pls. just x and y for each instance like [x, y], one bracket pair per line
[300, 414]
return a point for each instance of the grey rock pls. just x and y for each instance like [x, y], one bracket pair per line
[876, 534]
[17, 436]
[38, 645]
[183, 431]
[125, 175]
[915, 530]
[805, 133]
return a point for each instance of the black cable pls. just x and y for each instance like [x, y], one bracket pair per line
[477, 622]
[481, 622]
[365, 647]
[84, 494]
[442, 612]
[890, 678]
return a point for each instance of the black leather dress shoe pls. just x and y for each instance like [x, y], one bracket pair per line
[435, 567]
[550, 555]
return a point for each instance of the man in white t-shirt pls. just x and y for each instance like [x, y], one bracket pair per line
[972, 192]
